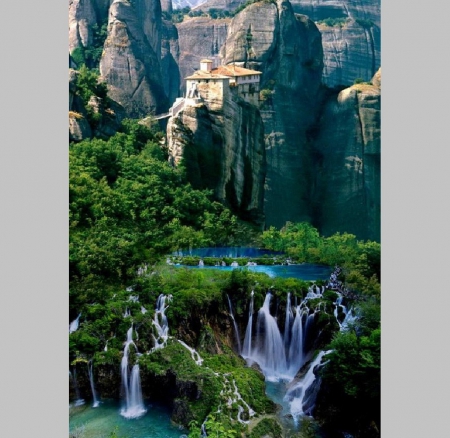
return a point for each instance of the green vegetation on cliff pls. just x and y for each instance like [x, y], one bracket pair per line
[129, 206]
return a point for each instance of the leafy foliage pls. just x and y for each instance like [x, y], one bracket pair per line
[90, 56]
[352, 381]
[303, 243]
[129, 206]
[266, 427]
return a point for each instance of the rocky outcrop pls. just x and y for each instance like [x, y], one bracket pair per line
[180, 4]
[130, 64]
[97, 118]
[376, 80]
[82, 17]
[166, 6]
[226, 5]
[287, 49]
[348, 172]
[79, 128]
[222, 147]
[200, 37]
[350, 52]
[321, 9]
[170, 53]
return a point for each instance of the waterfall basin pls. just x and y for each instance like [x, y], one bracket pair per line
[106, 418]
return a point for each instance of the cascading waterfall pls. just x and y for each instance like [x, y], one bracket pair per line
[247, 349]
[160, 322]
[134, 406]
[269, 350]
[350, 318]
[295, 354]
[296, 394]
[194, 354]
[91, 380]
[338, 304]
[287, 323]
[74, 324]
[280, 357]
[236, 330]
[308, 326]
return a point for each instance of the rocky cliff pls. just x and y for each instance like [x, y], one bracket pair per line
[93, 118]
[348, 162]
[269, 37]
[353, 50]
[200, 37]
[222, 145]
[350, 52]
[170, 54]
[137, 47]
[130, 60]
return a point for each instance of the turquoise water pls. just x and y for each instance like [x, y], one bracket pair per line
[100, 422]
[305, 271]
[229, 251]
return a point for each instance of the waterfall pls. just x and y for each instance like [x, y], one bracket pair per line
[308, 324]
[338, 304]
[160, 322]
[295, 352]
[296, 394]
[78, 401]
[269, 350]
[74, 324]
[134, 406]
[201, 263]
[247, 349]
[194, 354]
[236, 330]
[91, 380]
[287, 323]
[350, 318]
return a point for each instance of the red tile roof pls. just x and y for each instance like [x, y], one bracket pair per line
[234, 70]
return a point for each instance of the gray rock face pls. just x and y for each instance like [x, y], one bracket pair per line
[223, 149]
[200, 37]
[108, 120]
[321, 9]
[170, 54]
[287, 49]
[348, 173]
[226, 5]
[180, 4]
[353, 51]
[148, 13]
[166, 5]
[82, 16]
[129, 63]
[350, 52]
[79, 128]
